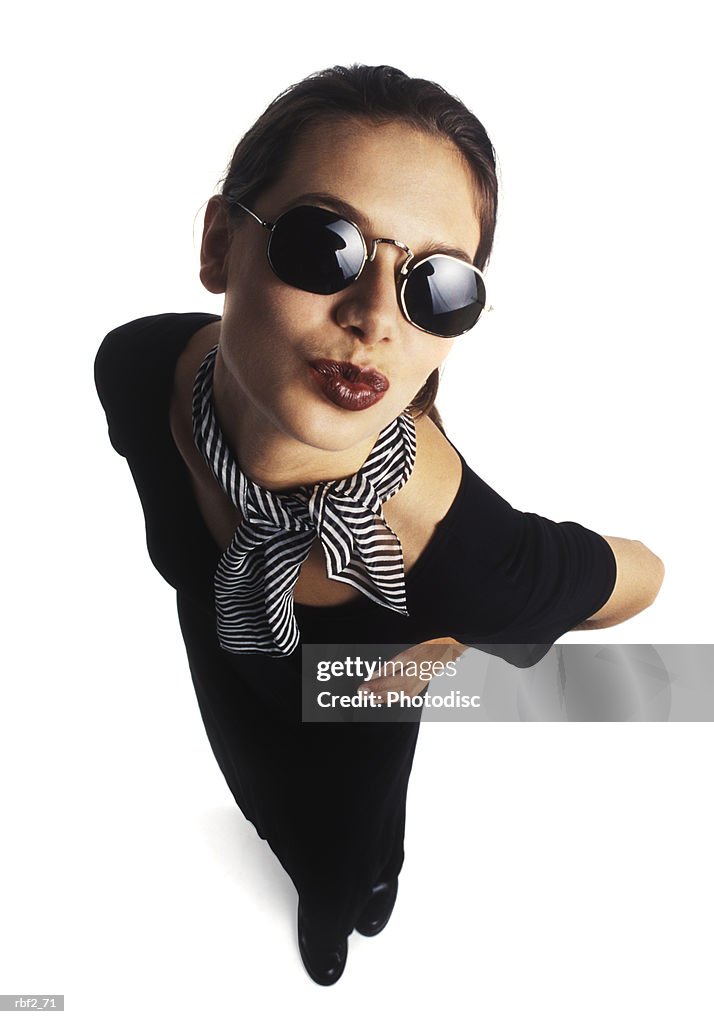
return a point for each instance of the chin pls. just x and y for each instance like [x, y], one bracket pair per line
[335, 431]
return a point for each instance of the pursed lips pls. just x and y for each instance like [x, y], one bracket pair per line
[366, 375]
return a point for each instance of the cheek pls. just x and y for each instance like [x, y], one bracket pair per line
[428, 357]
[263, 312]
[288, 314]
[273, 329]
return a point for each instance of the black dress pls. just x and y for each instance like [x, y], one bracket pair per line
[330, 799]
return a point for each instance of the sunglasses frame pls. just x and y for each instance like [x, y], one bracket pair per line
[404, 271]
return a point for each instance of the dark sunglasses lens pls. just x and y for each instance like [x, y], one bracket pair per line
[444, 296]
[315, 250]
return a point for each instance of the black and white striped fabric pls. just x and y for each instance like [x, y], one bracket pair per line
[255, 577]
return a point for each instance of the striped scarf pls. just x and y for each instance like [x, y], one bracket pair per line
[255, 577]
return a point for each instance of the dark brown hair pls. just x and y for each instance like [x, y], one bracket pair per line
[378, 94]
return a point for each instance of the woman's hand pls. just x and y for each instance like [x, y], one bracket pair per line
[430, 658]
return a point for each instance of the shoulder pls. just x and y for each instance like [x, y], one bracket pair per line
[436, 477]
[428, 496]
[443, 484]
[441, 463]
[445, 472]
[149, 338]
[134, 367]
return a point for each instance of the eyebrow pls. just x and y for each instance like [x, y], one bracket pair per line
[345, 209]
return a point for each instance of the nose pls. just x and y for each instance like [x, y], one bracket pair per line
[369, 308]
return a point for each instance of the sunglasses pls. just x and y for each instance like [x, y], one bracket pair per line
[318, 251]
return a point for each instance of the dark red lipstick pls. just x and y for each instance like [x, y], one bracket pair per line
[347, 385]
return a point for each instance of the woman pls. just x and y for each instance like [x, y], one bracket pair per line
[297, 482]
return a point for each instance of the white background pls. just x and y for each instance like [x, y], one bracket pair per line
[551, 872]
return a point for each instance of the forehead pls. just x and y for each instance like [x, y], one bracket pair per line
[403, 183]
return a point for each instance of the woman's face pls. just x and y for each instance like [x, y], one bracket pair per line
[405, 185]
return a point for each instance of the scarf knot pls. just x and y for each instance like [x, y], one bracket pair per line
[256, 576]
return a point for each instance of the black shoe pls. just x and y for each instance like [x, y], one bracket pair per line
[324, 964]
[378, 908]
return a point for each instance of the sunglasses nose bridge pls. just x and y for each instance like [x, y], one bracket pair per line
[390, 241]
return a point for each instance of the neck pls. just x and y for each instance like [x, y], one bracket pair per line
[268, 456]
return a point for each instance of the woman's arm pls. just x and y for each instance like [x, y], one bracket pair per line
[639, 576]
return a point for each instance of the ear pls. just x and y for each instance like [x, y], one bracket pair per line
[215, 246]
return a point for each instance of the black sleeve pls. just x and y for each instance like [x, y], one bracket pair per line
[547, 577]
[133, 373]
[110, 367]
